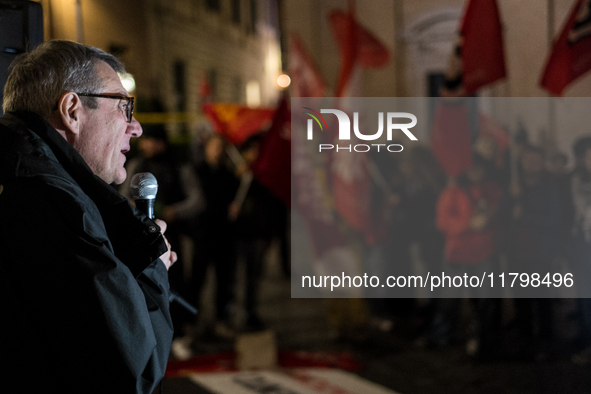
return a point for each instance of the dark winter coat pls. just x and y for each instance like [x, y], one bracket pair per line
[84, 297]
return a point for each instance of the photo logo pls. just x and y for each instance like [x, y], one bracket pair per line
[345, 129]
[317, 121]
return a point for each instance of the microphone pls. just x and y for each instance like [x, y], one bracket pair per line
[144, 187]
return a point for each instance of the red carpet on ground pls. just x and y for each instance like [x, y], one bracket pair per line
[226, 362]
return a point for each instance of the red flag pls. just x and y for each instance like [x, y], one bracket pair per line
[483, 58]
[571, 53]
[358, 47]
[478, 58]
[450, 138]
[332, 255]
[237, 122]
[273, 165]
[306, 79]
[351, 187]
[351, 184]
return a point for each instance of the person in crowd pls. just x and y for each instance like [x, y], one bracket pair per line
[258, 218]
[557, 165]
[580, 245]
[213, 233]
[466, 214]
[178, 201]
[416, 181]
[558, 168]
[487, 147]
[425, 182]
[84, 274]
[538, 210]
[579, 148]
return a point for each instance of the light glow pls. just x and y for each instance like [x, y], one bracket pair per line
[283, 81]
[127, 81]
[253, 94]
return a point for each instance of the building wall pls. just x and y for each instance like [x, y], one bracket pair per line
[154, 35]
[205, 40]
[106, 24]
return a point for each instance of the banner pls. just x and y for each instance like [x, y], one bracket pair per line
[273, 165]
[571, 53]
[478, 58]
[306, 80]
[237, 122]
[358, 46]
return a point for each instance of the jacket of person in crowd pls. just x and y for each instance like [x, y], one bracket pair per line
[465, 214]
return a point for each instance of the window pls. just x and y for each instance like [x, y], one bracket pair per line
[212, 77]
[237, 90]
[252, 28]
[213, 5]
[253, 94]
[236, 12]
[180, 91]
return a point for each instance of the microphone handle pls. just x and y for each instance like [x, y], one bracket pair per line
[147, 207]
[182, 302]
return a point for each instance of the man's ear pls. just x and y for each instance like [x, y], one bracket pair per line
[70, 111]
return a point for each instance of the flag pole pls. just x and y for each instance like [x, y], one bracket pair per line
[245, 180]
[551, 137]
[399, 43]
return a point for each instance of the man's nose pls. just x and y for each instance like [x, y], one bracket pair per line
[134, 128]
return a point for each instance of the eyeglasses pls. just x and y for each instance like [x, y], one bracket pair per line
[126, 107]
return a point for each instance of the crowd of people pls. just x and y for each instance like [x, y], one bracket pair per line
[227, 216]
[532, 217]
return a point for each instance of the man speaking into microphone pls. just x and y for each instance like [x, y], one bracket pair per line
[83, 275]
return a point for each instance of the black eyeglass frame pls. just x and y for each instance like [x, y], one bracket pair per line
[130, 101]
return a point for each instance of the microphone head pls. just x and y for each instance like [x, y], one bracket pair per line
[144, 186]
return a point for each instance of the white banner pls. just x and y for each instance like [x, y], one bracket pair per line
[292, 381]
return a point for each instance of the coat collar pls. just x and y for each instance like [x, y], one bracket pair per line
[136, 239]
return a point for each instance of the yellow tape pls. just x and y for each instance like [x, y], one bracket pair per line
[168, 117]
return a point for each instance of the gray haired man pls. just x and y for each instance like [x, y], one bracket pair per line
[83, 274]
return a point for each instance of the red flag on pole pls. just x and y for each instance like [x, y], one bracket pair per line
[237, 122]
[332, 254]
[483, 58]
[571, 52]
[273, 165]
[306, 79]
[344, 29]
[351, 184]
[358, 47]
[478, 58]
